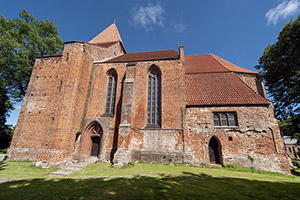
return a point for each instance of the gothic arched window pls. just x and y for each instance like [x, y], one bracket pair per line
[111, 92]
[153, 106]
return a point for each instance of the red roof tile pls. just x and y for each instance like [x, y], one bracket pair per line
[210, 63]
[209, 89]
[146, 56]
[110, 34]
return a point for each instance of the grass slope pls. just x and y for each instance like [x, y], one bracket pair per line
[170, 182]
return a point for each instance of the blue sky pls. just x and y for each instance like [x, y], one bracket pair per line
[236, 30]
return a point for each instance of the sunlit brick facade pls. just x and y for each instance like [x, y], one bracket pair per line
[95, 99]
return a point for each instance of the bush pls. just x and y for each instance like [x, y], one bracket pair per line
[4, 150]
[130, 164]
[231, 166]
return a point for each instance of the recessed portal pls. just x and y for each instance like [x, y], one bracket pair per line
[96, 134]
[214, 151]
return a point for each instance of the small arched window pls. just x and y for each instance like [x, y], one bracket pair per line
[217, 119]
[153, 106]
[111, 92]
[224, 119]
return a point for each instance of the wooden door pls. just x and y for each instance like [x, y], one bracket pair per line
[95, 146]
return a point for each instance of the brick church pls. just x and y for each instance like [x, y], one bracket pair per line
[95, 99]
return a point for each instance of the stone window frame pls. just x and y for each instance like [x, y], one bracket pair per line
[225, 122]
[153, 109]
[110, 103]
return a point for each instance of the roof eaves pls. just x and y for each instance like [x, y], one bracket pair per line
[140, 60]
[50, 56]
[223, 105]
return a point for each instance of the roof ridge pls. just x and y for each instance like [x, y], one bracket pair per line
[218, 58]
[214, 56]
[156, 50]
[117, 32]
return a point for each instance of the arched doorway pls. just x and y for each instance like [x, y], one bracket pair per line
[214, 151]
[96, 133]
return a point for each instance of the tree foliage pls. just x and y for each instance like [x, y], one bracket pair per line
[280, 70]
[21, 40]
[5, 106]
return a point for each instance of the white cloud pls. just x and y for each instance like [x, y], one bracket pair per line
[148, 16]
[179, 27]
[284, 10]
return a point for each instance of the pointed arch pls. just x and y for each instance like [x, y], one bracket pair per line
[91, 143]
[214, 148]
[111, 91]
[154, 96]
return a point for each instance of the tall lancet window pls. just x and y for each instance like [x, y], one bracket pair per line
[111, 92]
[153, 106]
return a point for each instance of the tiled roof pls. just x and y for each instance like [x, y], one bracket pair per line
[210, 63]
[146, 56]
[109, 35]
[208, 89]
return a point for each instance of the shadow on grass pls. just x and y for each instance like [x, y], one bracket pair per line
[296, 173]
[2, 165]
[188, 186]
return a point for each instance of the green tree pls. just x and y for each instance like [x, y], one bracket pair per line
[280, 70]
[21, 40]
[5, 106]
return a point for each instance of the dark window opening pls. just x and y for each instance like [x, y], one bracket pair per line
[111, 93]
[230, 138]
[153, 102]
[225, 119]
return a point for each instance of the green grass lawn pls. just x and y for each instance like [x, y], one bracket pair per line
[14, 170]
[101, 181]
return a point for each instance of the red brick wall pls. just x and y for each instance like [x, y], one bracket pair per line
[173, 99]
[55, 104]
[257, 135]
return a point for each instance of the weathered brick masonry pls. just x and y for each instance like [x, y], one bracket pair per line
[96, 99]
